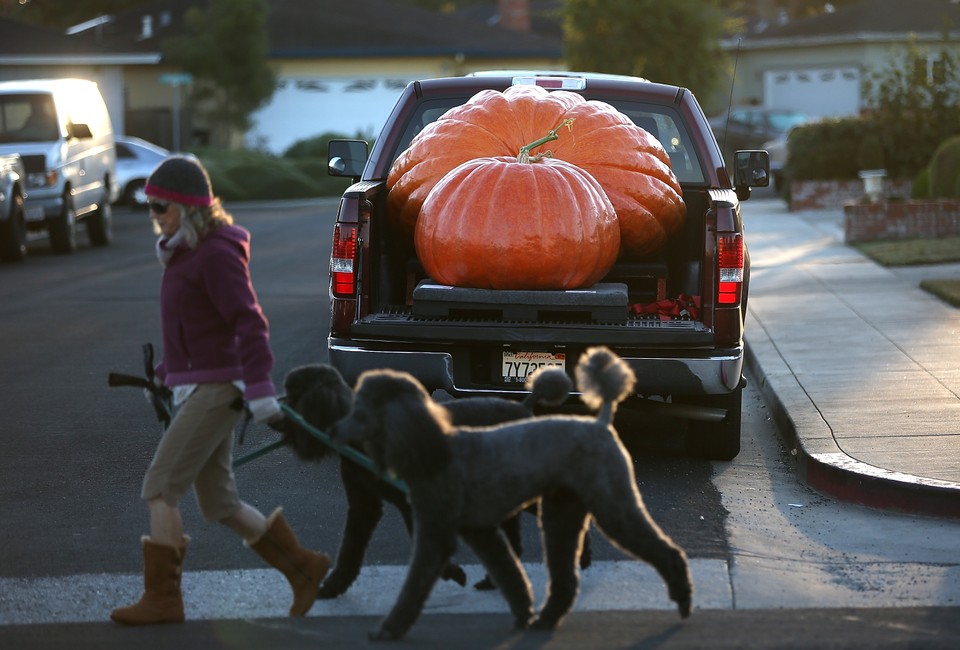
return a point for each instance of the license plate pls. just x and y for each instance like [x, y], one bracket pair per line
[517, 365]
[34, 213]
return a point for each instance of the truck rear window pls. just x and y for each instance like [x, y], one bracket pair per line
[659, 121]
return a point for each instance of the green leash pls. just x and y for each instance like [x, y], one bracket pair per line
[348, 452]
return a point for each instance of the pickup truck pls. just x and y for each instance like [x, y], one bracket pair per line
[676, 318]
[13, 227]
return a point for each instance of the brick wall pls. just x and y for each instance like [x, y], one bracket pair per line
[833, 195]
[887, 220]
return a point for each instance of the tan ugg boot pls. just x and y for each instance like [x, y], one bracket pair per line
[302, 567]
[162, 601]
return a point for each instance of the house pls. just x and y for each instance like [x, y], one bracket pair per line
[340, 65]
[817, 65]
[31, 52]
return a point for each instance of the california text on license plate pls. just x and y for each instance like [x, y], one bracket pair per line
[517, 365]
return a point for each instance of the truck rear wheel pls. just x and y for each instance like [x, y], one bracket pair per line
[716, 440]
[63, 228]
[13, 233]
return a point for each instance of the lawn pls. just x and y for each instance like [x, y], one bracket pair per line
[912, 252]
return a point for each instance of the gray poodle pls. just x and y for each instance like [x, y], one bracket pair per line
[318, 393]
[464, 481]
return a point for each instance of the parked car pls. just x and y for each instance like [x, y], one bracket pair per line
[62, 131]
[751, 127]
[777, 148]
[136, 158]
[13, 226]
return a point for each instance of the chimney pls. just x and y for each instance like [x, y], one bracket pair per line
[514, 14]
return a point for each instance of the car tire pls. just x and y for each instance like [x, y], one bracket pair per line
[13, 232]
[133, 193]
[100, 224]
[63, 228]
[716, 440]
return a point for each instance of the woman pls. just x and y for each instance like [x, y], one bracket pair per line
[215, 349]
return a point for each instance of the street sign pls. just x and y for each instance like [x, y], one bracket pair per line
[176, 78]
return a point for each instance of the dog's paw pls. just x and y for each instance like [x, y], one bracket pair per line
[485, 585]
[682, 595]
[685, 605]
[456, 573]
[522, 622]
[543, 624]
[328, 590]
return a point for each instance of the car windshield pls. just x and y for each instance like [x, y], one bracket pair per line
[27, 118]
[783, 122]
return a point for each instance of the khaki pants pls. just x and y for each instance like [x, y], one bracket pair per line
[197, 450]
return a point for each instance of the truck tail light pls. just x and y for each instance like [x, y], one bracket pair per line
[342, 276]
[730, 270]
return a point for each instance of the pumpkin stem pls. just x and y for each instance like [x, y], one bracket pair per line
[524, 155]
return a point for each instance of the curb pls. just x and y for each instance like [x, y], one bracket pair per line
[821, 463]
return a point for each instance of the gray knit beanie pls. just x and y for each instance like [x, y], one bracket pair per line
[181, 179]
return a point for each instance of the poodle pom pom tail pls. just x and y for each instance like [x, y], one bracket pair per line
[549, 386]
[603, 377]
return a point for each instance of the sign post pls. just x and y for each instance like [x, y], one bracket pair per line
[176, 80]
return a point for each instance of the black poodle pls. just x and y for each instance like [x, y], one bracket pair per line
[320, 395]
[465, 480]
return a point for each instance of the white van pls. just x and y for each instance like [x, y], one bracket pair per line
[63, 133]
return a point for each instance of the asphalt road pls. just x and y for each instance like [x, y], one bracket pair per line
[75, 451]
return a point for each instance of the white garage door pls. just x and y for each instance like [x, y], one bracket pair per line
[307, 107]
[815, 91]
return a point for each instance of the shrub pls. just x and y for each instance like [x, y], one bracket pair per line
[246, 175]
[910, 111]
[945, 169]
[826, 150]
[870, 152]
[316, 147]
[920, 188]
[914, 109]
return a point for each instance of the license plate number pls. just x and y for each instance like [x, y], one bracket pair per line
[517, 365]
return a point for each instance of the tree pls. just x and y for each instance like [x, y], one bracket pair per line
[225, 49]
[913, 103]
[674, 42]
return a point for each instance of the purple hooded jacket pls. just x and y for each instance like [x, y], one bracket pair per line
[213, 327]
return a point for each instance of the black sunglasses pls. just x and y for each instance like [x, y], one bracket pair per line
[158, 207]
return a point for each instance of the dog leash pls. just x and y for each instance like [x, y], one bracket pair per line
[160, 398]
[348, 452]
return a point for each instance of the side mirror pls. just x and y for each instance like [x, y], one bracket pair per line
[346, 157]
[80, 131]
[751, 168]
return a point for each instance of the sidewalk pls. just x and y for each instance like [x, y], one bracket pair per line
[861, 366]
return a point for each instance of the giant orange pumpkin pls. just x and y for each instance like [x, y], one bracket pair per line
[504, 223]
[629, 163]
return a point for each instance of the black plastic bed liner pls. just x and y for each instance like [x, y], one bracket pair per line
[603, 302]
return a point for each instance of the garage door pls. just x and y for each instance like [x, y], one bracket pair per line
[814, 91]
[307, 107]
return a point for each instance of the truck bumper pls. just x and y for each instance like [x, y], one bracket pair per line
[716, 374]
